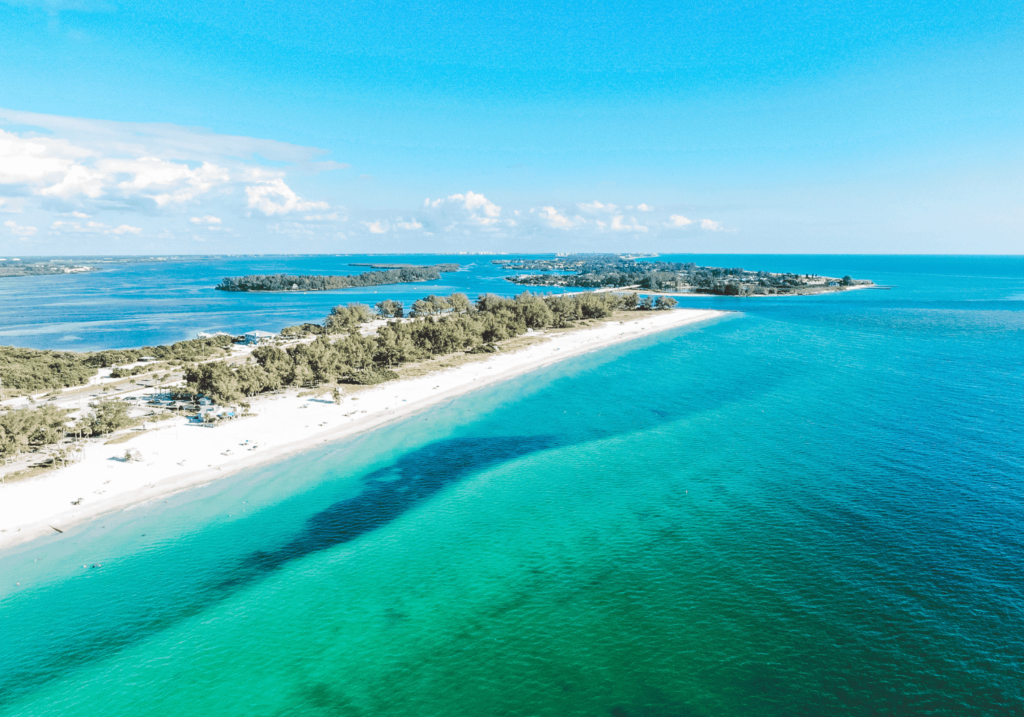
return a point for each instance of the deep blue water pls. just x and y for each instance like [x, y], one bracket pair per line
[811, 507]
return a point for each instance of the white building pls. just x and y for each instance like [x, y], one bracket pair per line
[258, 337]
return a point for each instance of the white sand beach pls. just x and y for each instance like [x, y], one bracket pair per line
[176, 455]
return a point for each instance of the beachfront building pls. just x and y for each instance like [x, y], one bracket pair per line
[258, 337]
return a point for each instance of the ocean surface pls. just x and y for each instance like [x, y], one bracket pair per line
[160, 302]
[811, 507]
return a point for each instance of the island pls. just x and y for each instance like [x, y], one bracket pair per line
[593, 271]
[395, 274]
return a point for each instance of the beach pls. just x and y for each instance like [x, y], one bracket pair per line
[175, 455]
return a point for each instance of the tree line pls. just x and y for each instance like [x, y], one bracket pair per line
[31, 370]
[29, 429]
[436, 326]
[310, 282]
[439, 325]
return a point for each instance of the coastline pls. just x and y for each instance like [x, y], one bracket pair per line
[177, 456]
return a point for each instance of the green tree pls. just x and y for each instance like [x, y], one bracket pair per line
[302, 375]
[108, 416]
[665, 302]
[390, 309]
[252, 379]
[459, 303]
[534, 311]
[344, 319]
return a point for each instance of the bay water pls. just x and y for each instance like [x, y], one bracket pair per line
[812, 506]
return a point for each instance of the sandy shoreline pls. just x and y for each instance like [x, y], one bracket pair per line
[176, 456]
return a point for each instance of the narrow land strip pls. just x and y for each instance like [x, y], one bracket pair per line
[176, 455]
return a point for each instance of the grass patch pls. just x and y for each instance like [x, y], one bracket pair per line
[441, 363]
[31, 472]
[126, 437]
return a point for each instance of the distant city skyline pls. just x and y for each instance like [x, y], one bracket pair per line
[230, 127]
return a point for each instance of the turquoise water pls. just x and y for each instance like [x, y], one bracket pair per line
[810, 507]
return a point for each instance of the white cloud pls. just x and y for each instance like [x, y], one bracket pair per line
[412, 224]
[377, 227]
[48, 167]
[619, 225]
[678, 220]
[710, 225]
[93, 228]
[133, 166]
[19, 230]
[644, 207]
[554, 219]
[596, 206]
[275, 197]
[470, 208]
[169, 141]
[208, 219]
[321, 217]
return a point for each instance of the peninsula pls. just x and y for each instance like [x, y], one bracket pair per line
[268, 400]
[591, 271]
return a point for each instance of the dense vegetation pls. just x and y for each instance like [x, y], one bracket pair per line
[606, 270]
[440, 325]
[289, 282]
[30, 370]
[29, 429]
[437, 326]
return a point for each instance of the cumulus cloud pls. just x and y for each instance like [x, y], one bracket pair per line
[596, 206]
[678, 221]
[62, 227]
[620, 224]
[19, 230]
[470, 208]
[275, 197]
[711, 225]
[205, 220]
[56, 168]
[149, 167]
[644, 207]
[381, 226]
[554, 219]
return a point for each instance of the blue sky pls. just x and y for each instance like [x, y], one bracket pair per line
[231, 127]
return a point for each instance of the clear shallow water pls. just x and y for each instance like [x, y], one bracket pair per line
[810, 508]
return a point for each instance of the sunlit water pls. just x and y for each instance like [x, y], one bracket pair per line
[811, 507]
[152, 303]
